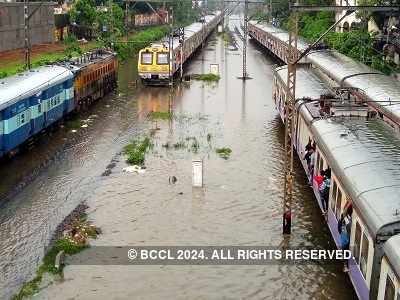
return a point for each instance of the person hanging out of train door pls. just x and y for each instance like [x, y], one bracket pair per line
[310, 159]
[319, 178]
[324, 190]
[344, 227]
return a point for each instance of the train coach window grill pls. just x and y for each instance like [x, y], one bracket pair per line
[364, 256]
[357, 243]
[338, 204]
[147, 58]
[22, 118]
[162, 58]
[334, 193]
[389, 289]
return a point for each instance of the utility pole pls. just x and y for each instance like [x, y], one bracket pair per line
[181, 41]
[126, 20]
[26, 36]
[170, 47]
[245, 33]
[289, 109]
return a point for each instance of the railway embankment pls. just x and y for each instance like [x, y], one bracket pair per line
[71, 237]
[12, 62]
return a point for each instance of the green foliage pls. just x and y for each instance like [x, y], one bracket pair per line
[138, 41]
[83, 12]
[224, 152]
[160, 115]
[32, 287]
[136, 151]
[206, 77]
[71, 46]
[313, 25]
[357, 44]
[112, 20]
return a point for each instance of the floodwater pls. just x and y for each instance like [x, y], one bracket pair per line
[240, 204]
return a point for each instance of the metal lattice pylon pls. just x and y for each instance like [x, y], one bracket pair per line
[292, 55]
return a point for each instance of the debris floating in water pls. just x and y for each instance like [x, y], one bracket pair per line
[134, 169]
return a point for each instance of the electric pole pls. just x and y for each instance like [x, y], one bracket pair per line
[289, 109]
[245, 33]
[26, 37]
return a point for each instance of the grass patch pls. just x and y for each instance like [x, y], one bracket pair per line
[136, 151]
[195, 146]
[18, 66]
[179, 145]
[224, 152]
[206, 77]
[160, 115]
[73, 124]
[74, 242]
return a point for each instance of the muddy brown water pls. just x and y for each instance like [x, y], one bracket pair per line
[240, 204]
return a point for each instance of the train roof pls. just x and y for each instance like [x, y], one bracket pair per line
[279, 33]
[88, 58]
[29, 83]
[308, 85]
[348, 72]
[364, 154]
[366, 158]
[392, 252]
[376, 86]
[193, 28]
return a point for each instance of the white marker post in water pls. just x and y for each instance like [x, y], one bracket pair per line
[214, 69]
[197, 173]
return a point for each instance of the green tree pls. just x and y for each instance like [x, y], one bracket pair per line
[83, 12]
[111, 21]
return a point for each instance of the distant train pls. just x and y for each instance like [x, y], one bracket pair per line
[159, 18]
[156, 64]
[34, 100]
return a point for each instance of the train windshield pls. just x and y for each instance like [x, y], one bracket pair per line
[147, 58]
[162, 58]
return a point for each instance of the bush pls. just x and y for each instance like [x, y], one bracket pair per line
[136, 151]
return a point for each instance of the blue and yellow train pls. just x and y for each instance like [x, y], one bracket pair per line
[34, 100]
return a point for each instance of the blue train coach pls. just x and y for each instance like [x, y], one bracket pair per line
[32, 101]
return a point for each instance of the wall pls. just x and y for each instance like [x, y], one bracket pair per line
[349, 21]
[12, 24]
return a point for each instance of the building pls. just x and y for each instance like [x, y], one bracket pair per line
[41, 24]
[350, 21]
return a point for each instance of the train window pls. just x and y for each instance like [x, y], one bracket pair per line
[147, 58]
[22, 118]
[338, 204]
[334, 192]
[39, 108]
[364, 255]
[162, 58]
[321, 164]
[389, 289]
[357, 243]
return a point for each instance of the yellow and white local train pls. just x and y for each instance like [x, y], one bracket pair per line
[156, 63]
